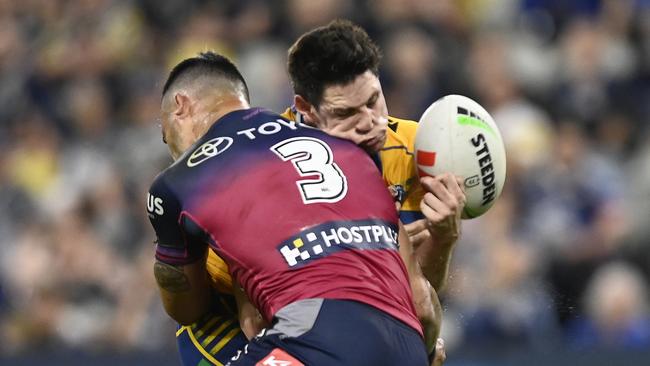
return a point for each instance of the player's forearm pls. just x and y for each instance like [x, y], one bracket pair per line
[184, 291]
[427, 306]
[421, 290]
[424, 302]
[250, 320]
[434, 262]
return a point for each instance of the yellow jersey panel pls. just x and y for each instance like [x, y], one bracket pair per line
[219, 274]
[399, 168]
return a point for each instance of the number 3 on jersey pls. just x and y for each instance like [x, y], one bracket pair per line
[310, 157]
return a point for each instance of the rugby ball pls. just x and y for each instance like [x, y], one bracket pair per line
[457, 135]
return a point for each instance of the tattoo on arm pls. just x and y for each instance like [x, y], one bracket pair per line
[170, 278]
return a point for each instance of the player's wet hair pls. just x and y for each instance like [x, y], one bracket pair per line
[331, 55]
[207, 64]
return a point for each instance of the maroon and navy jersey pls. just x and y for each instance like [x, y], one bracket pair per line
[295, 213]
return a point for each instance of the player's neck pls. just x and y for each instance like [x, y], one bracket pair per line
[225, 106]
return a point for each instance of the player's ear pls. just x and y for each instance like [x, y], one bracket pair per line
[305, 108]
[183, 105]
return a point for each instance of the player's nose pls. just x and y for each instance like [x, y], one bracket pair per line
[364, 126]
[365, 123]
[381, 121]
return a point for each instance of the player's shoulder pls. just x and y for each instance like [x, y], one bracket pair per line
[406, 124]
[403, 127]
[160, 189]
[400, 134]
[165, 179]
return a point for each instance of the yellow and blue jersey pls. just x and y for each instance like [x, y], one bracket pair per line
[215, 336]
[214, 339]
[399, 169]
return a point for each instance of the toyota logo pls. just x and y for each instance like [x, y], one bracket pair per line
[209, 149]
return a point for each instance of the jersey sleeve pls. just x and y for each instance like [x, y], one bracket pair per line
[399, 168]
[410, 209]
[178, 238]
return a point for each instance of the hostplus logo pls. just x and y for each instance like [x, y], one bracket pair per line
[323, 240]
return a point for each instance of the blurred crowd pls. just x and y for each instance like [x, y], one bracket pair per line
[562, 258]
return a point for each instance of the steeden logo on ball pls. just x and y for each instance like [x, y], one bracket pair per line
[457, 135]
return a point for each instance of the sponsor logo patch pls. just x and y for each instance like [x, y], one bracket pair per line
[154, 205]
[398, 192]
[278, 357]
[323, 240]
[209, 149]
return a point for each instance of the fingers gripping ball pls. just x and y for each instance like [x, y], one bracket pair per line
[457, 135]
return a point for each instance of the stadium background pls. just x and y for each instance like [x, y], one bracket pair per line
[556, 273]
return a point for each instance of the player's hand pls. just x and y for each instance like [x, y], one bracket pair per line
[250, 320]
[441, 355]
[418, 232]
[442, 206]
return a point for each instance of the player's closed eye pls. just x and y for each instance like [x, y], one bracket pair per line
[372, 101]
[344, 113]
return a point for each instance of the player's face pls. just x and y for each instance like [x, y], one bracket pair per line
[355, 111]
[184, 120]
[175, 134]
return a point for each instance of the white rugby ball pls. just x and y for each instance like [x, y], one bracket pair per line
[457, 135]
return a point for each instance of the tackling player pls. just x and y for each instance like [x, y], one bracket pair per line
[331, 94]
[303, 220]
[334, 71]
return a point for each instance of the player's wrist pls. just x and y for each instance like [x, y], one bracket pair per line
[441, 237]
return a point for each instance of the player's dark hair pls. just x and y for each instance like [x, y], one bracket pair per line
[331, 55]
[207, 64]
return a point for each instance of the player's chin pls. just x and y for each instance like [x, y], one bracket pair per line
[375, 144]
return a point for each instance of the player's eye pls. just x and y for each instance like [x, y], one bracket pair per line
[372, 101]
[344, 113]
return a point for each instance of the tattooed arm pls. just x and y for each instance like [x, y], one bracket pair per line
[184, 290]
[181, 253]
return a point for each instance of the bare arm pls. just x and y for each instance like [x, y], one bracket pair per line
[434, 258]
[435, 236]
[441, 354]
[423, 293]
[184, 290]
[250, 320]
